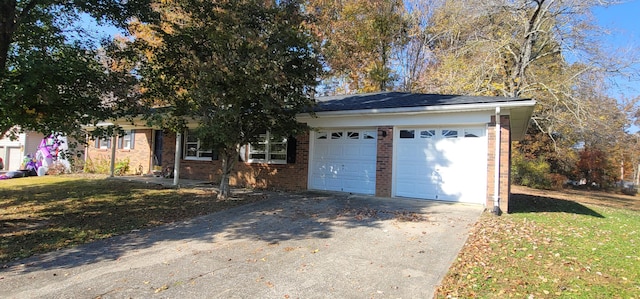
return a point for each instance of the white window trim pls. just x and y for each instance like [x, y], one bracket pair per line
[126, 138]
[104, 143]
[199, 152]
[267, 152]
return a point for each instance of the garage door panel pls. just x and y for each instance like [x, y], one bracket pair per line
[427, 190]
[335, 152]
[348, 157]
[449, 165]
[355, 185]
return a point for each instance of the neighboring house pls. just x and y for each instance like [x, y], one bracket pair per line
[391, 144]
[13, 152]
[137, 145]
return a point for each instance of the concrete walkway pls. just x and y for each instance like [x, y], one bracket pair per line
[305, 245]
[163, 181]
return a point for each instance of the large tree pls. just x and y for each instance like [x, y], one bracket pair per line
[238, 68]
[51, 78]
[359, 39]
[547, 50]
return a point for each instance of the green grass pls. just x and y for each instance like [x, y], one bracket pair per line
[40, 214]
[556, 249]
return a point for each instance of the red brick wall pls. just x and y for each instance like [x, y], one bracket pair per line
[291, 176]
[384, 161]
[139, 156]
[505, 163]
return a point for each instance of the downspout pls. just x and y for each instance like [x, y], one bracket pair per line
[178, 155]
[496, 164]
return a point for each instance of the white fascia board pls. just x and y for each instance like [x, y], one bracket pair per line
[401, 120]
[468, 114]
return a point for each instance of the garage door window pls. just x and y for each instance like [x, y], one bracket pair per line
[369, 135]
[428, 134]
[472, 133]
[407, 134]
[450, 133]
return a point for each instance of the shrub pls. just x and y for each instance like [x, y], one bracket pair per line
[556, 181]
[103, 166]
[531, 173]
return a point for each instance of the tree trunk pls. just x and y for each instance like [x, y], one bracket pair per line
[229, 157]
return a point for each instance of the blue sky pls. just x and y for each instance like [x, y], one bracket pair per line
[624, 22]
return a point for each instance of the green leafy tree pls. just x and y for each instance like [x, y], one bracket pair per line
[546, 50]
[237, 67]
[49, 79]
[359, 40]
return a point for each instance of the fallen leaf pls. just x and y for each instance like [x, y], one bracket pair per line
[162, 288]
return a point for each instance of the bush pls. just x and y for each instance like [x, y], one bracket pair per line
[557, 181]
[121, 167]
[534, 174]
[103, 166]
[56, 168]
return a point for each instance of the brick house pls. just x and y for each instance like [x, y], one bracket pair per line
[390, 144]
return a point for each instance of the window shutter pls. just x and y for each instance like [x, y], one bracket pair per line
[184, 145]
[97, 143]
[291, 149]
[120, 142]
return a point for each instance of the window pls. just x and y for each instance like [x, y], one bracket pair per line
[427, 134]
[369, 135]
[450, 133]
[470, 133]
[321, 135]
[353, 135]
[408, 134]
[126, 141]
[193, 148]
[269, 149]
[336, 135]
[103, 143]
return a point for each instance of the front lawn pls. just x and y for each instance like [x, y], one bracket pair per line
[40, 214]
[572, 244]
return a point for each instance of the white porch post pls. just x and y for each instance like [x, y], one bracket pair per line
[113, 154]
[496, 180]
[178, 155]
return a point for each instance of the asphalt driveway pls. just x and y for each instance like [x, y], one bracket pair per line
[306, 245]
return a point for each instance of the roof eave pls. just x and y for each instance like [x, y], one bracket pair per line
[520, 112]
[427, 109]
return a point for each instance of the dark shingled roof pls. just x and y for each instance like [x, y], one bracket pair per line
[385, 100]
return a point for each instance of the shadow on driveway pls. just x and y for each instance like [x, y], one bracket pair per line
[308, 245]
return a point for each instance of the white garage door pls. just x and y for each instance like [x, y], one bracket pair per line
[441, 163]
[344, 160]
[11, 157]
